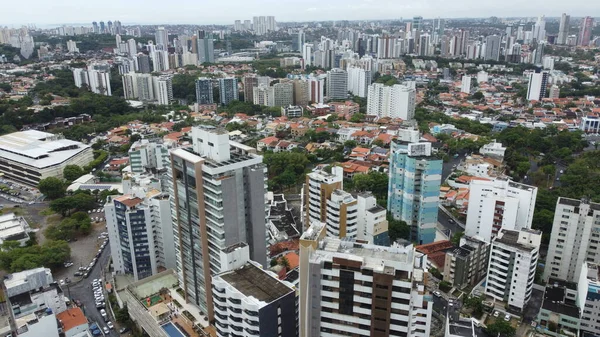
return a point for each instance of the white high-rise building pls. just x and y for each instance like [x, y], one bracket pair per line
[160, 60]
[307, 51]
[372, 221]
[337, 84]
[574, 239]
[359, 80]
[539, 29]
[350, 288]
[146, 90]
[536, 89]
[130, 86]
[254, 294]
[164, 93]
[141, 232]
[511, 270]
[162, 37]
[466, 84]
[396, 101]
[498, 204]
[318, 188]
[81, 77]
[72, 46]
[563, 29]
[131, 48]
[99, 82]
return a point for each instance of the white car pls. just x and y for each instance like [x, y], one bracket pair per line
[437, 293]
[507, 318]
[61, 282]
[106, 330]
[110, 325]
[496, 313]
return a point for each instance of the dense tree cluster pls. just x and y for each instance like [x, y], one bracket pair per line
[77, 224]
[52, 254]
[285, 169]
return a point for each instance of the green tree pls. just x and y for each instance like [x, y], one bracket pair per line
[52, 187]
[72, 172]
[478, 95]
[456, 238]
[500, 328]
[62, 205]
[357, 118]
[397, 229]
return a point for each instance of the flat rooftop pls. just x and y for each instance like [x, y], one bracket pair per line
[252, 281]
[554, 301]
[38, 149]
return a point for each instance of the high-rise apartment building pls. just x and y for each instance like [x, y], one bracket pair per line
[141, 233]
[218, 188]
[492, 47]
[262, 95]
[467, 264]
[317, 190]
[536, 88]
[247, 292]
[511, 270]
[414, 188]
[563, 29]
[350, 288]
[164, 92]
[316, 88]
[554, 92]
[466, 84]
[130, 86]
[396, 101]
[228, 90]
[585, 31]
[160, 60]
[359, 80]
[145, 87]
[498, 204]
[149, 155]
[283, 94]
[143, 63]
[574, 239]
[204, 91]
[98, 81]
[162, 37]
[372, 221]
[72, 46]
[206, 49]
[263, 24]
[337, 84]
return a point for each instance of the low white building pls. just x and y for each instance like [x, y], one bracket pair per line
[511, 269]
[493, 149]
[27, 280]
[372, 222]
[30, 156]
[13, 228]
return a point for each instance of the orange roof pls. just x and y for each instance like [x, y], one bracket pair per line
[128, 200]
[293, 259]
[450, 194]
[269, 140]
[433, 247]
[174, 135]
[361, 150]
[71, 318]
[118, 162]
[468, 179]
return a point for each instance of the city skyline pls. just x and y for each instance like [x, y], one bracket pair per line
[224, 13]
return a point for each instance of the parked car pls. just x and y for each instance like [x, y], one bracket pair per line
[437, 293]
[507, 318]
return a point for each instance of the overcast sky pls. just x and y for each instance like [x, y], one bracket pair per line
[43, 12]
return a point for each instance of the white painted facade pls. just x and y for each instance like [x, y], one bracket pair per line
[499, 204]
[575, 239]
[512, 265]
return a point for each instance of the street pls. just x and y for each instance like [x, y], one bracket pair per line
[82, 291]
[448, 223]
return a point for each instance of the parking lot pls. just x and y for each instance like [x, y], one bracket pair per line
[17, 193]
[83, 250]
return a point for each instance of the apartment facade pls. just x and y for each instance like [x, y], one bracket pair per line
[342, 215]
[317, 190]
[250, 301]
[218, 188]
[396, 101]
[466, 265]
[498, 203]
[575, 238]
[140, 232]
[372, 220]
[350, 288]
[414, 188]
[512, 265]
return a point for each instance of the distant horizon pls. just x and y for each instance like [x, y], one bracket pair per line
[157, 12]
[89, 24]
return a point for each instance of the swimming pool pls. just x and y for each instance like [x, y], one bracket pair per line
[172, 330]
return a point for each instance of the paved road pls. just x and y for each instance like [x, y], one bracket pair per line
[448, 168]
[82, 291]
[444, 220]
